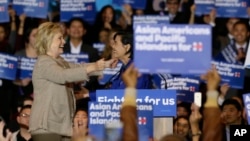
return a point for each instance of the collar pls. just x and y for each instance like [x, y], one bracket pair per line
[244, 46]
[75, 49]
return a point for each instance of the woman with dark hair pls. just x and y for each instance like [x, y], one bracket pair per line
[25, 84]
[122, 49]
[105, 19]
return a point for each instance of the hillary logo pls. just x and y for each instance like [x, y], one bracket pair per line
[244, 4]
[237, 74]
[197, 46]
[2, 9]
[192, 89]
[142, 120]
[11, 66]
[41, 4]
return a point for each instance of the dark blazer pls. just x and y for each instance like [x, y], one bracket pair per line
[85, 48]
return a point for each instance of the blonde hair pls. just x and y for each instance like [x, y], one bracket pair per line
[44, 37]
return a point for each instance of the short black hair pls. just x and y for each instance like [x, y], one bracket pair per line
[25, 107]
[84, 23]
[81, 109]
[126, 38]
[233, 102]
[28, 32]
[21, 100]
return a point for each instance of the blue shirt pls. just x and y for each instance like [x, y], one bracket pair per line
[143, 82]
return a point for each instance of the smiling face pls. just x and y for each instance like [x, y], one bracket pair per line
[76, 30]
[57, 44]
[240, 33]
[107, 15]
[181, 127]
[118, 49]
[81, 118]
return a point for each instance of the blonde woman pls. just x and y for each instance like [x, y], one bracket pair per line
[54, 102]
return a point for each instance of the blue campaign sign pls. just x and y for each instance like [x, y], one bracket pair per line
[99, 46]
[232, 74]
[4, 11]
[76, 58]
[203, 6]
[103, 113]
[25, 67]
[232, 8]
[246, 99]
[34, 8]
[108, 73]
[185, 87]
[150, 19]
[84, 9]
[136, 4]
[160, 80]
[8, 66]
[164, 101]
[171, 49]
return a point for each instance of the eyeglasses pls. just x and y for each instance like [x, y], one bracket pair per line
[24, 115]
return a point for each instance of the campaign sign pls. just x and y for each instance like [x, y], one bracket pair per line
[102, 113]
[34, 8]
[247, 61]
[151, 19]
[160, 80]
[246, 99]
[231, 8]
[108, 73]
[99, 46]
[232, 74]
[203, 6]
[171, 48]
[136, 4]
[8, 66]
[4, 11]
[72, 8]
[163, 101]
[25, 67]
[75, 58]
[185, 87]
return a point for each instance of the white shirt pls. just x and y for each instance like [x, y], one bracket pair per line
[241, 46]
[75, 49]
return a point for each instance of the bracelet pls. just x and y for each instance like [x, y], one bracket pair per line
[197, 134]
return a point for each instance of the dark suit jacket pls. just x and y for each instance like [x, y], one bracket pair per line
[180, 18]
[85, 48]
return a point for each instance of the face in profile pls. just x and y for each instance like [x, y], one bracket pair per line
[57, 44]
[118, 49]
[107, 15]
[230, 24]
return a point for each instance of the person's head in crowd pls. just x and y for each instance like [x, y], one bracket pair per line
[183, 109]
[241, 32]
[122, 48]
[56, 19]
[173, 6]
[172, 138]
[138, 12]
[231, 112]
[182, 126]
[103, 36]
[2, 33]
[30, 36]
[23, 101]
[230, 23]
[76, 28]
[107, 15]
[107, 52]
[49, 40]
[23, 117]
[81, 117]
